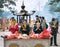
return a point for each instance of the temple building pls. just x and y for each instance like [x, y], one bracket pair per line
[24, 14]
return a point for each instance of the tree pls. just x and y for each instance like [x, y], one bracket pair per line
[6, 3]
[1, 3]
[54, 5]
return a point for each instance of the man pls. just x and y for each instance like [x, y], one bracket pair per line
[43, 24]
[40, 19]
[54, 28]
[37, 18]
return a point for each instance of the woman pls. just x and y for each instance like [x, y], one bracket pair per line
[37, 28]
[25, 29]
[14, 26]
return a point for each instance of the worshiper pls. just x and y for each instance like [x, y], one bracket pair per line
[43, 23]
[14, 26]
[54, 27]
[37, 18]
[40, 20]
[37, 28]
[25, 28]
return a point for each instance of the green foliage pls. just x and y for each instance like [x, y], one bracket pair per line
[1, 6]
[51, 2]
[13, 3]
[8, 0]
[54, 5]
[1, 2]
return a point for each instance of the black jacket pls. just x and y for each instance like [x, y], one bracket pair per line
[54, 29]
[37, 31]
[25, 31]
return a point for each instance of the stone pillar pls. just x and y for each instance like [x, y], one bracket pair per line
[23, 17]
[17, 19]
[29, 19]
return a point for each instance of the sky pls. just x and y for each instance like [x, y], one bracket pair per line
[31, 4]
[40, 6]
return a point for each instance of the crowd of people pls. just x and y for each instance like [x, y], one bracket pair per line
[38, 26]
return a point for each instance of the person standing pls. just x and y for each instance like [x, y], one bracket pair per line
[54, 27]
[37, 18]
[43, 23]
[40, 20]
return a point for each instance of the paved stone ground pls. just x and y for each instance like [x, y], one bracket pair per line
[58, 41]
